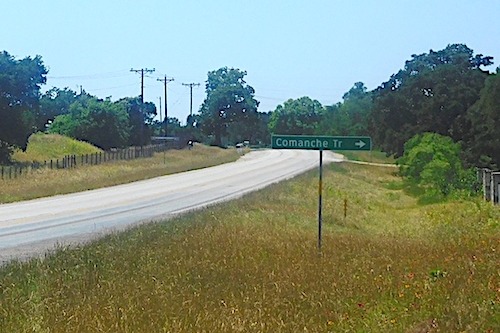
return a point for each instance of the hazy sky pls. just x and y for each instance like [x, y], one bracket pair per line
[289, 48]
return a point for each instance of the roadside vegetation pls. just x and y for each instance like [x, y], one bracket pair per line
[374, 156]
[389, 264]
[450, 92]
[408, 250]
[47, 182]
[42, 147]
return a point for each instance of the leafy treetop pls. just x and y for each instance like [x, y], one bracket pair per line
[20, 83]
[229, 103]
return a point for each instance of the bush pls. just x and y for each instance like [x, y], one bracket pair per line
[433, 161]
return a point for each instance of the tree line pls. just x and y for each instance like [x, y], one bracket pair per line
[448, 92]
[24, 110]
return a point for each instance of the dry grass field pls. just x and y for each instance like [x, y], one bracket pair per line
[47, 182]
[251, 265]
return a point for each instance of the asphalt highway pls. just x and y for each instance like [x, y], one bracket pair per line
[32, 228]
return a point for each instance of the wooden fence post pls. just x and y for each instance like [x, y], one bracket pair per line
[494, 187]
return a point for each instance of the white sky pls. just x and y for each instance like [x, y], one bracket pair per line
[289, 48]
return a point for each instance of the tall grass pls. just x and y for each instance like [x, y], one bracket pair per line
[372, 156]
[391, 265]
[47, 182]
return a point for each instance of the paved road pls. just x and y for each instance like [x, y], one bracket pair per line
[33, 227]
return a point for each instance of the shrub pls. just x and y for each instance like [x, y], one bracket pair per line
[433, 161]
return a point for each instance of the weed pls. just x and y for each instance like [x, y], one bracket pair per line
[252, 266]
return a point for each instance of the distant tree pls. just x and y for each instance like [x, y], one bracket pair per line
[431, 94]
[20, 83]
[102, 123]
[296, 116]
[173, 125]
[230, 106]
[483, 143]
[334, 120]
[192, 120]
[53, 103]
[262, 136]
[350, 117]
[256, 131]
[140, 117]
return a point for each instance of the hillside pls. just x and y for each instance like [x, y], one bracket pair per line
[42, 147]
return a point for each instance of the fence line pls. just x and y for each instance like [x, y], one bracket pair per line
[72, 161]
[490, 181]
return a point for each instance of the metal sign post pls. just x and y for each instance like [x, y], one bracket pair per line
[309, 142]
[320, 198]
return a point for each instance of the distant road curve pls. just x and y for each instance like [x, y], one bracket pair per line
[33, 227]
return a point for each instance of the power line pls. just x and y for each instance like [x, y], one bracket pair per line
[96, 76]
[191, 85]
[109, 88]
[165, 81]
[142, 71]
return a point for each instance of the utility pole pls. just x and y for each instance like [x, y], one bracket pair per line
[191, 85]
[142, 71]
[160, 114]
[165, 81]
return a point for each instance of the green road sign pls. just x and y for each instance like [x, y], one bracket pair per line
[359, 143]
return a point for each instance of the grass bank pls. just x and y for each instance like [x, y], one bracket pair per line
[42, 147]
[372, 156]
[46, 182]
[391, 265]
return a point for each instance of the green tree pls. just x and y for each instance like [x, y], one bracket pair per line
[173, 124]
[229, 105]
[140, 117]
[433, 161]
[53, 103]
[296, 116]
[262, 136]
[102, 123]
[350, 117]
[431, 94]
[20, 83]
[483, 144]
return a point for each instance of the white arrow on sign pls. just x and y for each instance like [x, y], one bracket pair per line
[360, 144]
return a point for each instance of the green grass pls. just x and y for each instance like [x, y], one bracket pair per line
[391, 265]
[43, 147]
[369, 156]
